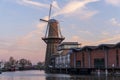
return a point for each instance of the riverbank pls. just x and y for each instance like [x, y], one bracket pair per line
[85, 72]
[41, 75]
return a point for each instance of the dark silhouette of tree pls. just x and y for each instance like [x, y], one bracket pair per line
[40, 65]
[25, 64]
[11, 64]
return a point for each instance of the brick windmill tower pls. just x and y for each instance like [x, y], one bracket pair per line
[53, 38]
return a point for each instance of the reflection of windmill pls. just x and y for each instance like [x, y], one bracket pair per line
[53, 38]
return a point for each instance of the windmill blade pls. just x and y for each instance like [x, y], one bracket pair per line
[47, 30]
[50, 11]
[60, 31]
[43, 20]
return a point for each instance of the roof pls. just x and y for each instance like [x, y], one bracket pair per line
[117, 45]
[69, 43]
[74, 49]
[89, 47]
[106, 45]
[52, 20]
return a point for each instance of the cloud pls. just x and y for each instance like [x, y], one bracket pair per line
[113, 2]
[72, 7]
[105, 40]
[78, 39]
[105, 34]
[114, 22]
[76, 6]
[29, 44]
[75, 38]
[38, 4]
[33, 3]
[86, 14]
[85, 32]
[55, 5]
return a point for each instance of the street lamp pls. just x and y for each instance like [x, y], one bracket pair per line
[66, 68]
[113, 66]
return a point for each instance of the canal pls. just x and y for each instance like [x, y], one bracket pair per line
[40, 75]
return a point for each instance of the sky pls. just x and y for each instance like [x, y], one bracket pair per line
[89, 22]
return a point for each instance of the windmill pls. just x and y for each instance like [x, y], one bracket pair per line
[53, 38]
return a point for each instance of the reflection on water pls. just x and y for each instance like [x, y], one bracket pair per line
[83, 78]
[40, 75]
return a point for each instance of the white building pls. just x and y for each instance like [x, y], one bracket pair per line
[63, 59]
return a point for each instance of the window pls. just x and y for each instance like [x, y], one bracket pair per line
[78, 64]
[99, 63]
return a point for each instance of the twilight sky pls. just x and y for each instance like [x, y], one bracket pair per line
[89, 22]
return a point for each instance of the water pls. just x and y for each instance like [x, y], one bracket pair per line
[40, 75]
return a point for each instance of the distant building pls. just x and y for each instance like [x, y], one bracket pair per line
[68, 45]
[63, 59]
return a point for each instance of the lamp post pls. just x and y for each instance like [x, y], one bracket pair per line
[113, 71]
[60, 68]
[66, 68]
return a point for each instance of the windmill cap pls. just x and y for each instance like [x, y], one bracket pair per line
[52, 20]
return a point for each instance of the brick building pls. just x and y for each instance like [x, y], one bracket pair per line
[104, 56]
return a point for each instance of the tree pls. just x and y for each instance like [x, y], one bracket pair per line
[24, 63]
[40, 65]
[11, 64]
[12, 61]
